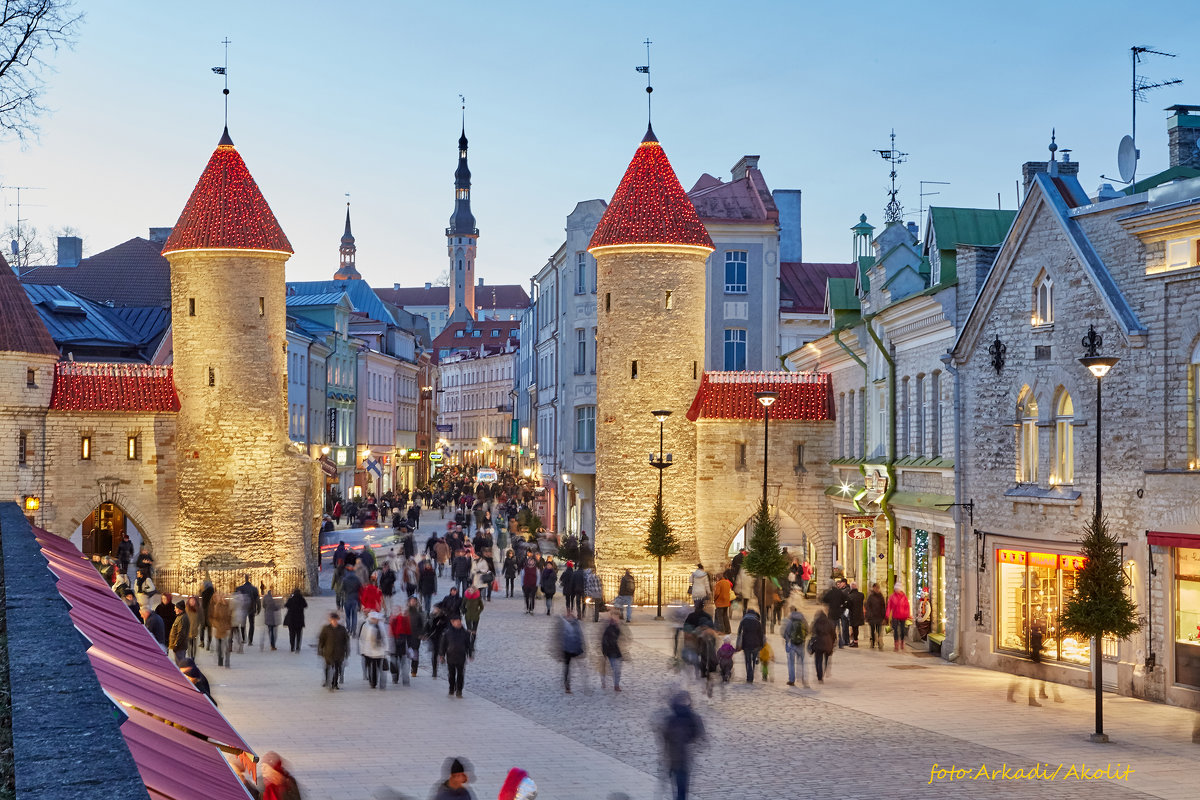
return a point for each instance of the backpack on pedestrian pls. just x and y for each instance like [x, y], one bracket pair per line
[798, 634]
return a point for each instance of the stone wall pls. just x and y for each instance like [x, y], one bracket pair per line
[634, 323]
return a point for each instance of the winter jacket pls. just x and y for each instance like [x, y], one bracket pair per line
[373, 641]
[295, 605]
[178, 638]
[567, 580]
[461, 569]
[154, 624]
[387, 581]
[220, 616]
[238, 607]
[427, 580]
[610, 640]
[451, 605]
[898, 608]
[371, 598]
[723, 593]
[678, 731]
[824, 634]
[351, 586]
[333, 644]
[595, 589]
[472, 606]
[253, 598]
[750, 633]
[455, 645]
[579, 582]
[699, 585]
[876, 607]
[510, 567]
[549, 576]
[794, 619]
[479, 571]
[854, 600]
[529, 575]
[627, 586]
[271, 605]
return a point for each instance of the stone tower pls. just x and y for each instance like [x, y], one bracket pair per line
[347, 271]
[461, 238]
[248, 501]
[650, 249]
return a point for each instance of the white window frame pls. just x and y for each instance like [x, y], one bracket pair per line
[1027, 438]
[1043, 300]
[585, 429]
[737, 259]
[735, 337]
[581, 273]
[1064, 441]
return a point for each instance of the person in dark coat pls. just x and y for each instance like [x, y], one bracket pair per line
[124, 553]
[854, 602]
[206, 596]
[876, 612]
[166, 610]
[455, 650]
[154, 624]
[416, 627]
[452, 603]
[529, 583]
[333, 645]
[549, 581]
[680, 730]
[435, 628]
[293, 619]
[824, 635]
[192, 673]
[510, 572]
[460, 571]
[177, 640]
[427, 585]
[579, 589]
[836, 605]
[567, 581]
[750, 640]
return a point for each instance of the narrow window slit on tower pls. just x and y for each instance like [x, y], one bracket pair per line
[695, 370]
[262, 306]
[633, 372]
[607, 302]
[667, 302]
[191, 306]
[212, 377]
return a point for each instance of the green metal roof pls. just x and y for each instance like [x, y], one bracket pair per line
[841, 294]
[1166, 176]
[864, 264]
[985, 227]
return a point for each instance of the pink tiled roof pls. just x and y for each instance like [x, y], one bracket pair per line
[802, 284]
[730, 395]
[80, 386]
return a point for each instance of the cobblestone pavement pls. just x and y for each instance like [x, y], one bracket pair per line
[876, 727]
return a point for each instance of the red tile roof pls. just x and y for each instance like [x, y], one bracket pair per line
[447, 340]
[21, 328]
[802, 284]
[226, 210]
[730, 395]
[745, 200]
[113, 387]
[134, 273]
[650, 206]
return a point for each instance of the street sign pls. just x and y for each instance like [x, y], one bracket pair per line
[445, 428]
[486, 476]
[435, 456]
[859, 533]
[332, 425]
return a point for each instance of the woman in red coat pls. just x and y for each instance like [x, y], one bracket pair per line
[899, 612]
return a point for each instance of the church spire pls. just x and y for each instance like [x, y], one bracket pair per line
[461, 238]
[347, 271]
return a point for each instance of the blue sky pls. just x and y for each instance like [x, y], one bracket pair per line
[362, 97]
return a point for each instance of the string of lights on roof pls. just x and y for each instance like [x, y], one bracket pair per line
[113, 387]
[805, 401]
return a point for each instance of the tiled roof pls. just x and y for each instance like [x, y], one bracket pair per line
[113, 387]
[487, 296]
[806, 396]
[746, 200]
[650, 206]
[449, 340]
[21, 329]
[227, 210]
[314, 299]
[802, 284]
[75, 322]
[133, 273]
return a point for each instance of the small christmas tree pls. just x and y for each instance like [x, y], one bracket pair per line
[661, 543]
[1100, 606]
[764, 559]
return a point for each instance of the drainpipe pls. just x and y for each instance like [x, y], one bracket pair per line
[889, 465]
[960, 530]
[862, 470]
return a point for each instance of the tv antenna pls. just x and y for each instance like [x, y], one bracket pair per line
[224, 72]
[1139, 87]
[924, 194]
[893, 212]
[15, 245]
[646, 69]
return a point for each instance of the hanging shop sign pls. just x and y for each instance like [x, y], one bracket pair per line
[435, 456]
[859, 532]
[486, 476]
[415, 455]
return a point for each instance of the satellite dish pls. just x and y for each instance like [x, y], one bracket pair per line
[1126, 158]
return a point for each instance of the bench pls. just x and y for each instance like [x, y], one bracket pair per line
[935, 642]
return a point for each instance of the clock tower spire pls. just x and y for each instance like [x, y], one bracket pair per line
[461, 237]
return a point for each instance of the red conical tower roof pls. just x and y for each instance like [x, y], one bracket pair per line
[650, 207]
[21, 327]
[226, 210]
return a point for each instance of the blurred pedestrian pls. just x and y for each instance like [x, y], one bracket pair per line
[435, 629]
[455, 650]
[610, 649]
[875, 613]
[570, 643]
[722, 600]
[278, 783]
[595, 592]
[549, 581]
[681, 730]
[374, 647]
[795, 638]
[293, 620]
[899, 612]
[856, 614]
[253, 604]
[154, 624]
[192, 673]
[510, 572]
[222, 628]
[625, 592]
[333, 645]
[529, 583]
[750, 640]
[823, 639]
[270, 606]
[455, 785]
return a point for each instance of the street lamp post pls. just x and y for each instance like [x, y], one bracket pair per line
[661, 463]
[1099, 366]
[767, 399]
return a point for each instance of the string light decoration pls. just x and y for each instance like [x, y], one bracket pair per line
[921, 560]
[650, 206]
[113, 387]
[803, 396]
[226, 210]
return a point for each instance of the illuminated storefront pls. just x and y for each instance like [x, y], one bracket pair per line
[1186, 592]
[1031, 590]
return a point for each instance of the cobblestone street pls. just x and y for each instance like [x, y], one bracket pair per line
[876, 727]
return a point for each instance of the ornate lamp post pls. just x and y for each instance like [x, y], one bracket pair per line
[1099, 366]
[767, 399]
[662, 462]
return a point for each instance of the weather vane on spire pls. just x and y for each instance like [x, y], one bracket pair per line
[649, 88]
[224, 71]
[893, 212]
[463, 100]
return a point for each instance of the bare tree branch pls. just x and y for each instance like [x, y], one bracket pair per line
[30, 31]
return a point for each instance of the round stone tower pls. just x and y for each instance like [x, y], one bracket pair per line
[246, 497]
[650, 249]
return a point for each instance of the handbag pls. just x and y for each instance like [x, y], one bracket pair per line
[812, 646]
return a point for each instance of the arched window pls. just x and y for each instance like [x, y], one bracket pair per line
[1043, 300]
[1027, 438]
[1064, 440]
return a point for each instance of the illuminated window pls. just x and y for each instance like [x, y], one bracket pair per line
[262, 306]
[1043, 300]
[735, 272]
[85, 448]
[667, 302]
[1064, 440]
[1027, 438]
[131, 448]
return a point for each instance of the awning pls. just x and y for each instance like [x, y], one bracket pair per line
[174, 764]
[1169, 539]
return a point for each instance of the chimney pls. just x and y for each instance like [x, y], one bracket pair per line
[1031, 168]
[427, 285]
[1183, 133]
[914, 230]
[70, 251]
[744, 164]
[481, 281]
[159, 234]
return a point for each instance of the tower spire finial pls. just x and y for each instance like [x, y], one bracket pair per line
[224, 71]
[463, 100]
[893, 212]
[649, 89]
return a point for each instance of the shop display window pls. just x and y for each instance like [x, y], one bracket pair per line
[1031, 588]
[1187, 616]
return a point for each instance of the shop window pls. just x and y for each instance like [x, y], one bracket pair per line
[1064, 441]
[1194, 409]
[1031, 590]
[1187, 616]
[1027, 438]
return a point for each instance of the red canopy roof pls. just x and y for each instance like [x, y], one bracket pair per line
[226, 210]
[650, 206]
[730, 395]
[113, 387]
[176, 764]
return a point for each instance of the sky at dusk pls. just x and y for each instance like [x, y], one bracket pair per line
[362, 97]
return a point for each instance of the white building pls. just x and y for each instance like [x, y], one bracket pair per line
[476, 401]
